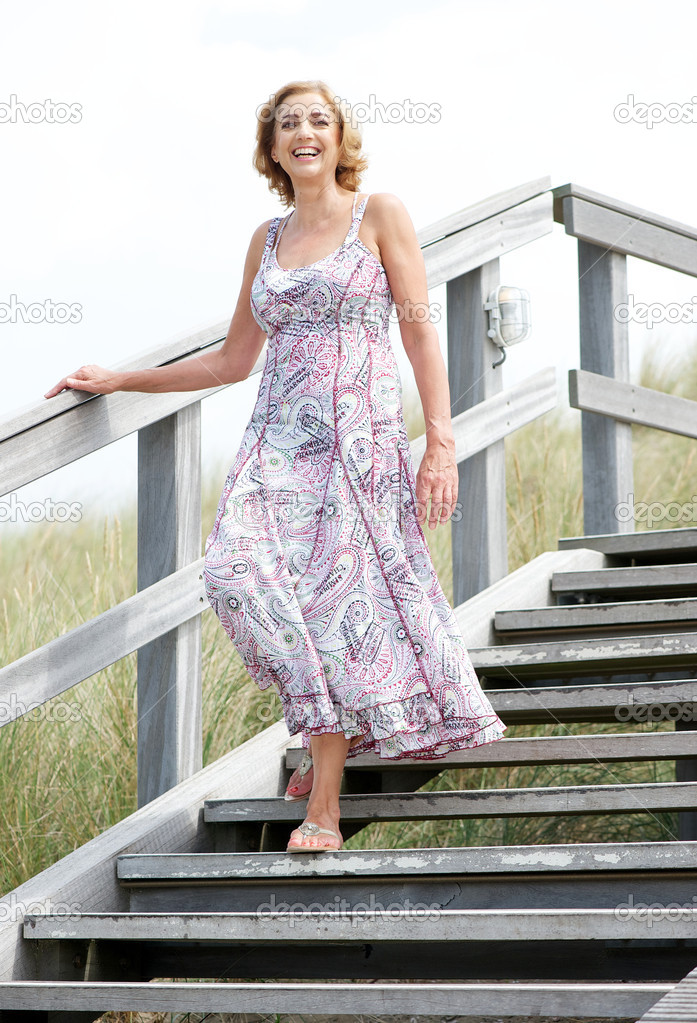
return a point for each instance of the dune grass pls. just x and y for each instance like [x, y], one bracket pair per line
[69, 769]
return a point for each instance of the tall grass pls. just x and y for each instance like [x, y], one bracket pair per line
[65, 781]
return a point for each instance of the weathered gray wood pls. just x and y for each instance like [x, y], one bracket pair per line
[93, 424]
[63, 662]
[618, 205]
[632, 858]
[577, 749]
[479, 535]
[169, 538]
[484, 210]
[467, 1001]
[21, 419]
[611, 701]
[635, 614]
[632, 236]
[645, 543]
[464, 925]
[677, 1006]
[565, 800]
[86, 879]
[618, 653]
[497, 417]
[607, 444]
[627, 578]
[528, 585]
[483, 242]
[629, 403]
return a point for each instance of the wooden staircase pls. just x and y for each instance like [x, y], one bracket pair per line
[601, 929]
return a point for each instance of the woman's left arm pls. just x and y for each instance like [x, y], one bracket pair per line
[403, 261]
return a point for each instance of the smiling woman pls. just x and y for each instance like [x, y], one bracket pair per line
[317, 564]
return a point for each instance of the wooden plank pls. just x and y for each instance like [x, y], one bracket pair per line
[179, 346]
[604, 345]
[86, 879]
[530, 584]
[54, 667]
[495, 418]
[633, 236]
[631, 858]
[479, 545]
[645, 543]
[483, 210]
[610, 701]
[679, 1005]
[629, 403]
[443, 925]
[169, 667]
[569, 800]
[93, 424]
[472, 247]
[611, 652]
[468, 1001]
[571, 749]
[628, 613]
[627, 578]
[635, 212]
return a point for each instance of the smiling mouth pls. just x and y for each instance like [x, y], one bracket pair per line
[305, 153]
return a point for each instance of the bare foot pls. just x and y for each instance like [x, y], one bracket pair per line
[324, 819]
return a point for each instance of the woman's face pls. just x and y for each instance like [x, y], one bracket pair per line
[307, 137]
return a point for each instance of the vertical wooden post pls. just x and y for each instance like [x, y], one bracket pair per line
[479, 537]
[607, 445]
[169, 537]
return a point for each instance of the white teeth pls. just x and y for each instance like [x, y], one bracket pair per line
[305, 152]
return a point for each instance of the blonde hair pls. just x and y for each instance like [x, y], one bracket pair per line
[352, 163]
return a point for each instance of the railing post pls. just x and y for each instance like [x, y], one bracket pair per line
[607, 444]
[479, 535]
[169, 537]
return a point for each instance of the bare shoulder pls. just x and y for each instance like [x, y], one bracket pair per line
[387, 208]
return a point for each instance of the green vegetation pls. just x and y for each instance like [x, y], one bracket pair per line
[65, 781]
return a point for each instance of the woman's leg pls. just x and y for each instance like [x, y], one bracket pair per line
[328, 758]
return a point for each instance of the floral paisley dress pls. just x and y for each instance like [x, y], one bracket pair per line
[317, 565]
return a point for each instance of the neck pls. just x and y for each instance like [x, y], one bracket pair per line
[315, 204]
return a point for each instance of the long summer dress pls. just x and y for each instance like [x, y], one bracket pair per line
[317, 565]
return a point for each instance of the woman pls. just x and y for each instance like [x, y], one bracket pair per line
[317, 565]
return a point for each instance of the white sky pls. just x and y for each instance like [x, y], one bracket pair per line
[142, 211]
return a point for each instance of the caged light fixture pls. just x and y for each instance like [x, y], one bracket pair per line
[509, 317]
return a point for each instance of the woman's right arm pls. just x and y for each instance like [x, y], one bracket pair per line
[233, 361]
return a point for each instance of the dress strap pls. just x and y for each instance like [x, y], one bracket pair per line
[357, 218]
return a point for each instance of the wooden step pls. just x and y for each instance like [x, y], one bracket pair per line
[600, 654]
[680, 578]
[625, 615]
[468, 1001]
[644, 545]
[608, 857]
[579, 749]
[472, 804]
[522, 877]
[626, 702]
[412, 924]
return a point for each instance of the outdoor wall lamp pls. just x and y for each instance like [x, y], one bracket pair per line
[509, 317]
